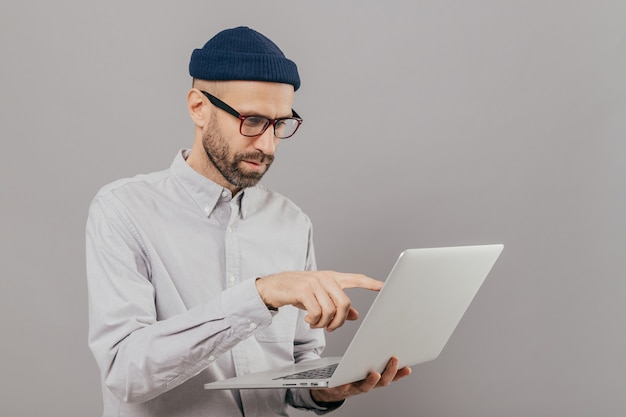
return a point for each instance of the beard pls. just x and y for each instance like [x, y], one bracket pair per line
[228, 164]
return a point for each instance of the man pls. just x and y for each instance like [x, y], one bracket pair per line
[197, 273]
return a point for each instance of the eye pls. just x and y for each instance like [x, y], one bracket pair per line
[255, 121]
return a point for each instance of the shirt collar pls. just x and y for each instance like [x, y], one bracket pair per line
[207, 193]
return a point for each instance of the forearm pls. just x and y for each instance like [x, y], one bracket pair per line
[139, 364]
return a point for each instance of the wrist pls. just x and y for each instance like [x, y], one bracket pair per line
[321, 399]
[261, 288]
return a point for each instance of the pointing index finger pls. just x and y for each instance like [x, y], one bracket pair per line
[359, 281]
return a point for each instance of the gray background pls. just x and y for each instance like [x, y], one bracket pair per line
[427, 123]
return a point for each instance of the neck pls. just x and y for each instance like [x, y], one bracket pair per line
[201, 163]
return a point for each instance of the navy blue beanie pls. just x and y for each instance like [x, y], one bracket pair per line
[242, 54]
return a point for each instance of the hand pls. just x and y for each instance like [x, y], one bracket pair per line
[373, 380]
[320, 293]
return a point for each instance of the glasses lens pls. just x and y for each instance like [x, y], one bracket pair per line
[254, 125]
[285, 128]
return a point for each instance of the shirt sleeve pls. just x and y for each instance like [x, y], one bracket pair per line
[138, 355]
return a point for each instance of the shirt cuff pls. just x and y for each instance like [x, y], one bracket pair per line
[244, 309]
[307, 402]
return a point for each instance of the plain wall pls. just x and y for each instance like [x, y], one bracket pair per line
[427, 123]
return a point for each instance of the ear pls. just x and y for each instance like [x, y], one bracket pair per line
[196, 104]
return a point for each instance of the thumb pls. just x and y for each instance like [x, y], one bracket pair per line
[352, 314]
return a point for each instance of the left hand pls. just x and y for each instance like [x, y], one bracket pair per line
[373, 380]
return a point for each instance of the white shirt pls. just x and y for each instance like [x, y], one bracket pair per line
[172, 260]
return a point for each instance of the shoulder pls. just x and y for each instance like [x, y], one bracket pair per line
[127, 194]
[276, 203]
[132, 185]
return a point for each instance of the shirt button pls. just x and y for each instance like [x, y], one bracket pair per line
[207, 209]
[211, 358]
[231, 279]
[224, 193]
[253, 326]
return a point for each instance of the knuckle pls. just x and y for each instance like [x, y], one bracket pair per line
[325, 275]
[343, 303]
[315, 312]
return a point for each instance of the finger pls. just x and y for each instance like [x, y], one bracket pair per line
[329, 313]
[326, 303]
[347, 390]
[358, 281]
[334, 300]
[402, 372]
[342, 313]
[352, 314]
[390, 372]
[311, 305]
[322, 308]
[343, 310]
[369, 383]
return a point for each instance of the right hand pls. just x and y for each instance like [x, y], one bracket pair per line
[320, 293]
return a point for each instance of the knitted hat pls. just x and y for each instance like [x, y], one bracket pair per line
[242, 54]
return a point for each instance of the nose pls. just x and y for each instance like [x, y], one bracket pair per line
[266, 142]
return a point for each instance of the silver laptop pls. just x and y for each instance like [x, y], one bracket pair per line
[413, 316]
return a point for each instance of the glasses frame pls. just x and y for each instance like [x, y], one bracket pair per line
[271, 122]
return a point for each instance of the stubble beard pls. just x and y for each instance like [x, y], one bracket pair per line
[219, 153]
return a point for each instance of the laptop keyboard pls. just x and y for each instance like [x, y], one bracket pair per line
[318, 373]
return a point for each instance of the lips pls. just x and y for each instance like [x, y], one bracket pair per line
[254, 164]
[257, 161]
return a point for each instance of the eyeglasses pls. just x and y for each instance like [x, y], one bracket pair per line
[251, 126]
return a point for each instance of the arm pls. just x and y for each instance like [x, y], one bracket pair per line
[139, 356]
